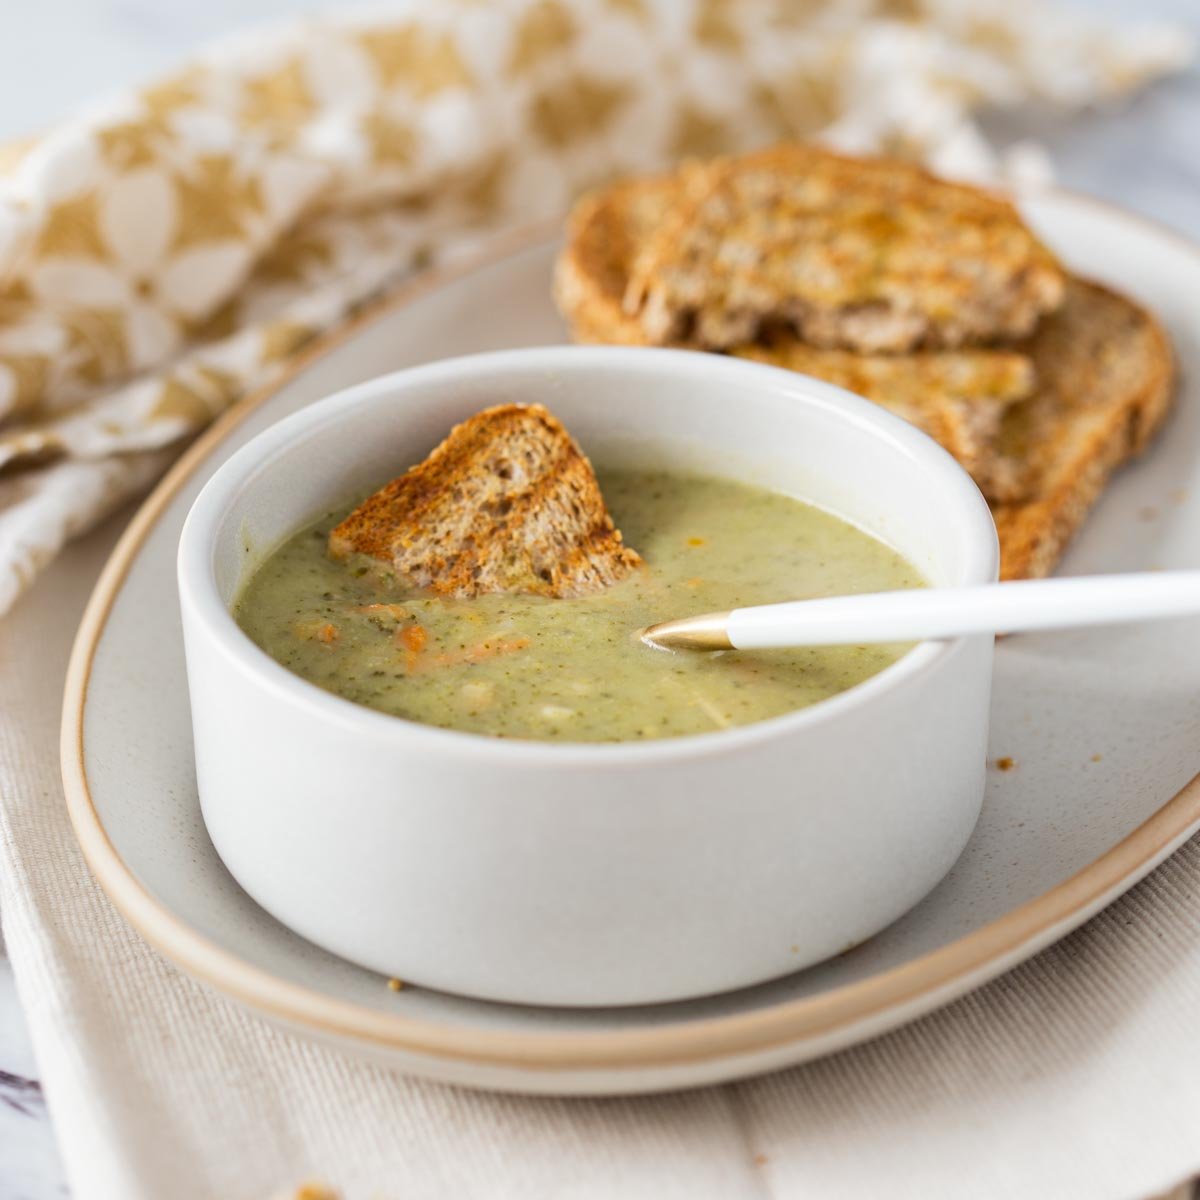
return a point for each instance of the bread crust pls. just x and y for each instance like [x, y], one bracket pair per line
[604, 233]
[1106, 376]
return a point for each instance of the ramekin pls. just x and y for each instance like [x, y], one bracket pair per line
[590, 874]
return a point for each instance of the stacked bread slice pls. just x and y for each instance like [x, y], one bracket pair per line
[932, 299]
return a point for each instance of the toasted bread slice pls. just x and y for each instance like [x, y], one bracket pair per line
[871, 255]
[507, 503]
[1105, 384]
[605, 232]
[957, 397]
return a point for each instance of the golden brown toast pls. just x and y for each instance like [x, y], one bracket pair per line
[507, 503]
[605, 232]
[871, 255]
[1105, 384]
[957, 397]
[1103, 368]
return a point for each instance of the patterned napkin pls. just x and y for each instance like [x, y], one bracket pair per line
[175, 247]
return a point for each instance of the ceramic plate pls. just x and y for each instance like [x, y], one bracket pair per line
[1102, 729]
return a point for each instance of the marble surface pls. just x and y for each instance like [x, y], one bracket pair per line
[29, 1166]
[58, 54]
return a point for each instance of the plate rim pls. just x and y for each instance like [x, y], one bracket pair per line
[903, 991]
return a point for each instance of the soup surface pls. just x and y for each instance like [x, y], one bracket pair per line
[572, 670]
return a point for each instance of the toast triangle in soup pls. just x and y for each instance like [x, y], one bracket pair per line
[507, 503]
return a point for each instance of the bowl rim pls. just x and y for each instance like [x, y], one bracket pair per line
[201, 601]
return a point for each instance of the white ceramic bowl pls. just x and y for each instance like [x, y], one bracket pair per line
[590, 874]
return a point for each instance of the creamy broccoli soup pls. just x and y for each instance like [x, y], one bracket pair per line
[571, 670]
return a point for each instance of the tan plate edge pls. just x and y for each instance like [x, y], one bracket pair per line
[916, 986]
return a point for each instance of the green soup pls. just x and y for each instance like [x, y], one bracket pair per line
[572, 670]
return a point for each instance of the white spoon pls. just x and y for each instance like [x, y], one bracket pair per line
[908, 616]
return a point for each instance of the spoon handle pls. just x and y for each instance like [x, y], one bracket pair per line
[906, 616]
[950, 612]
